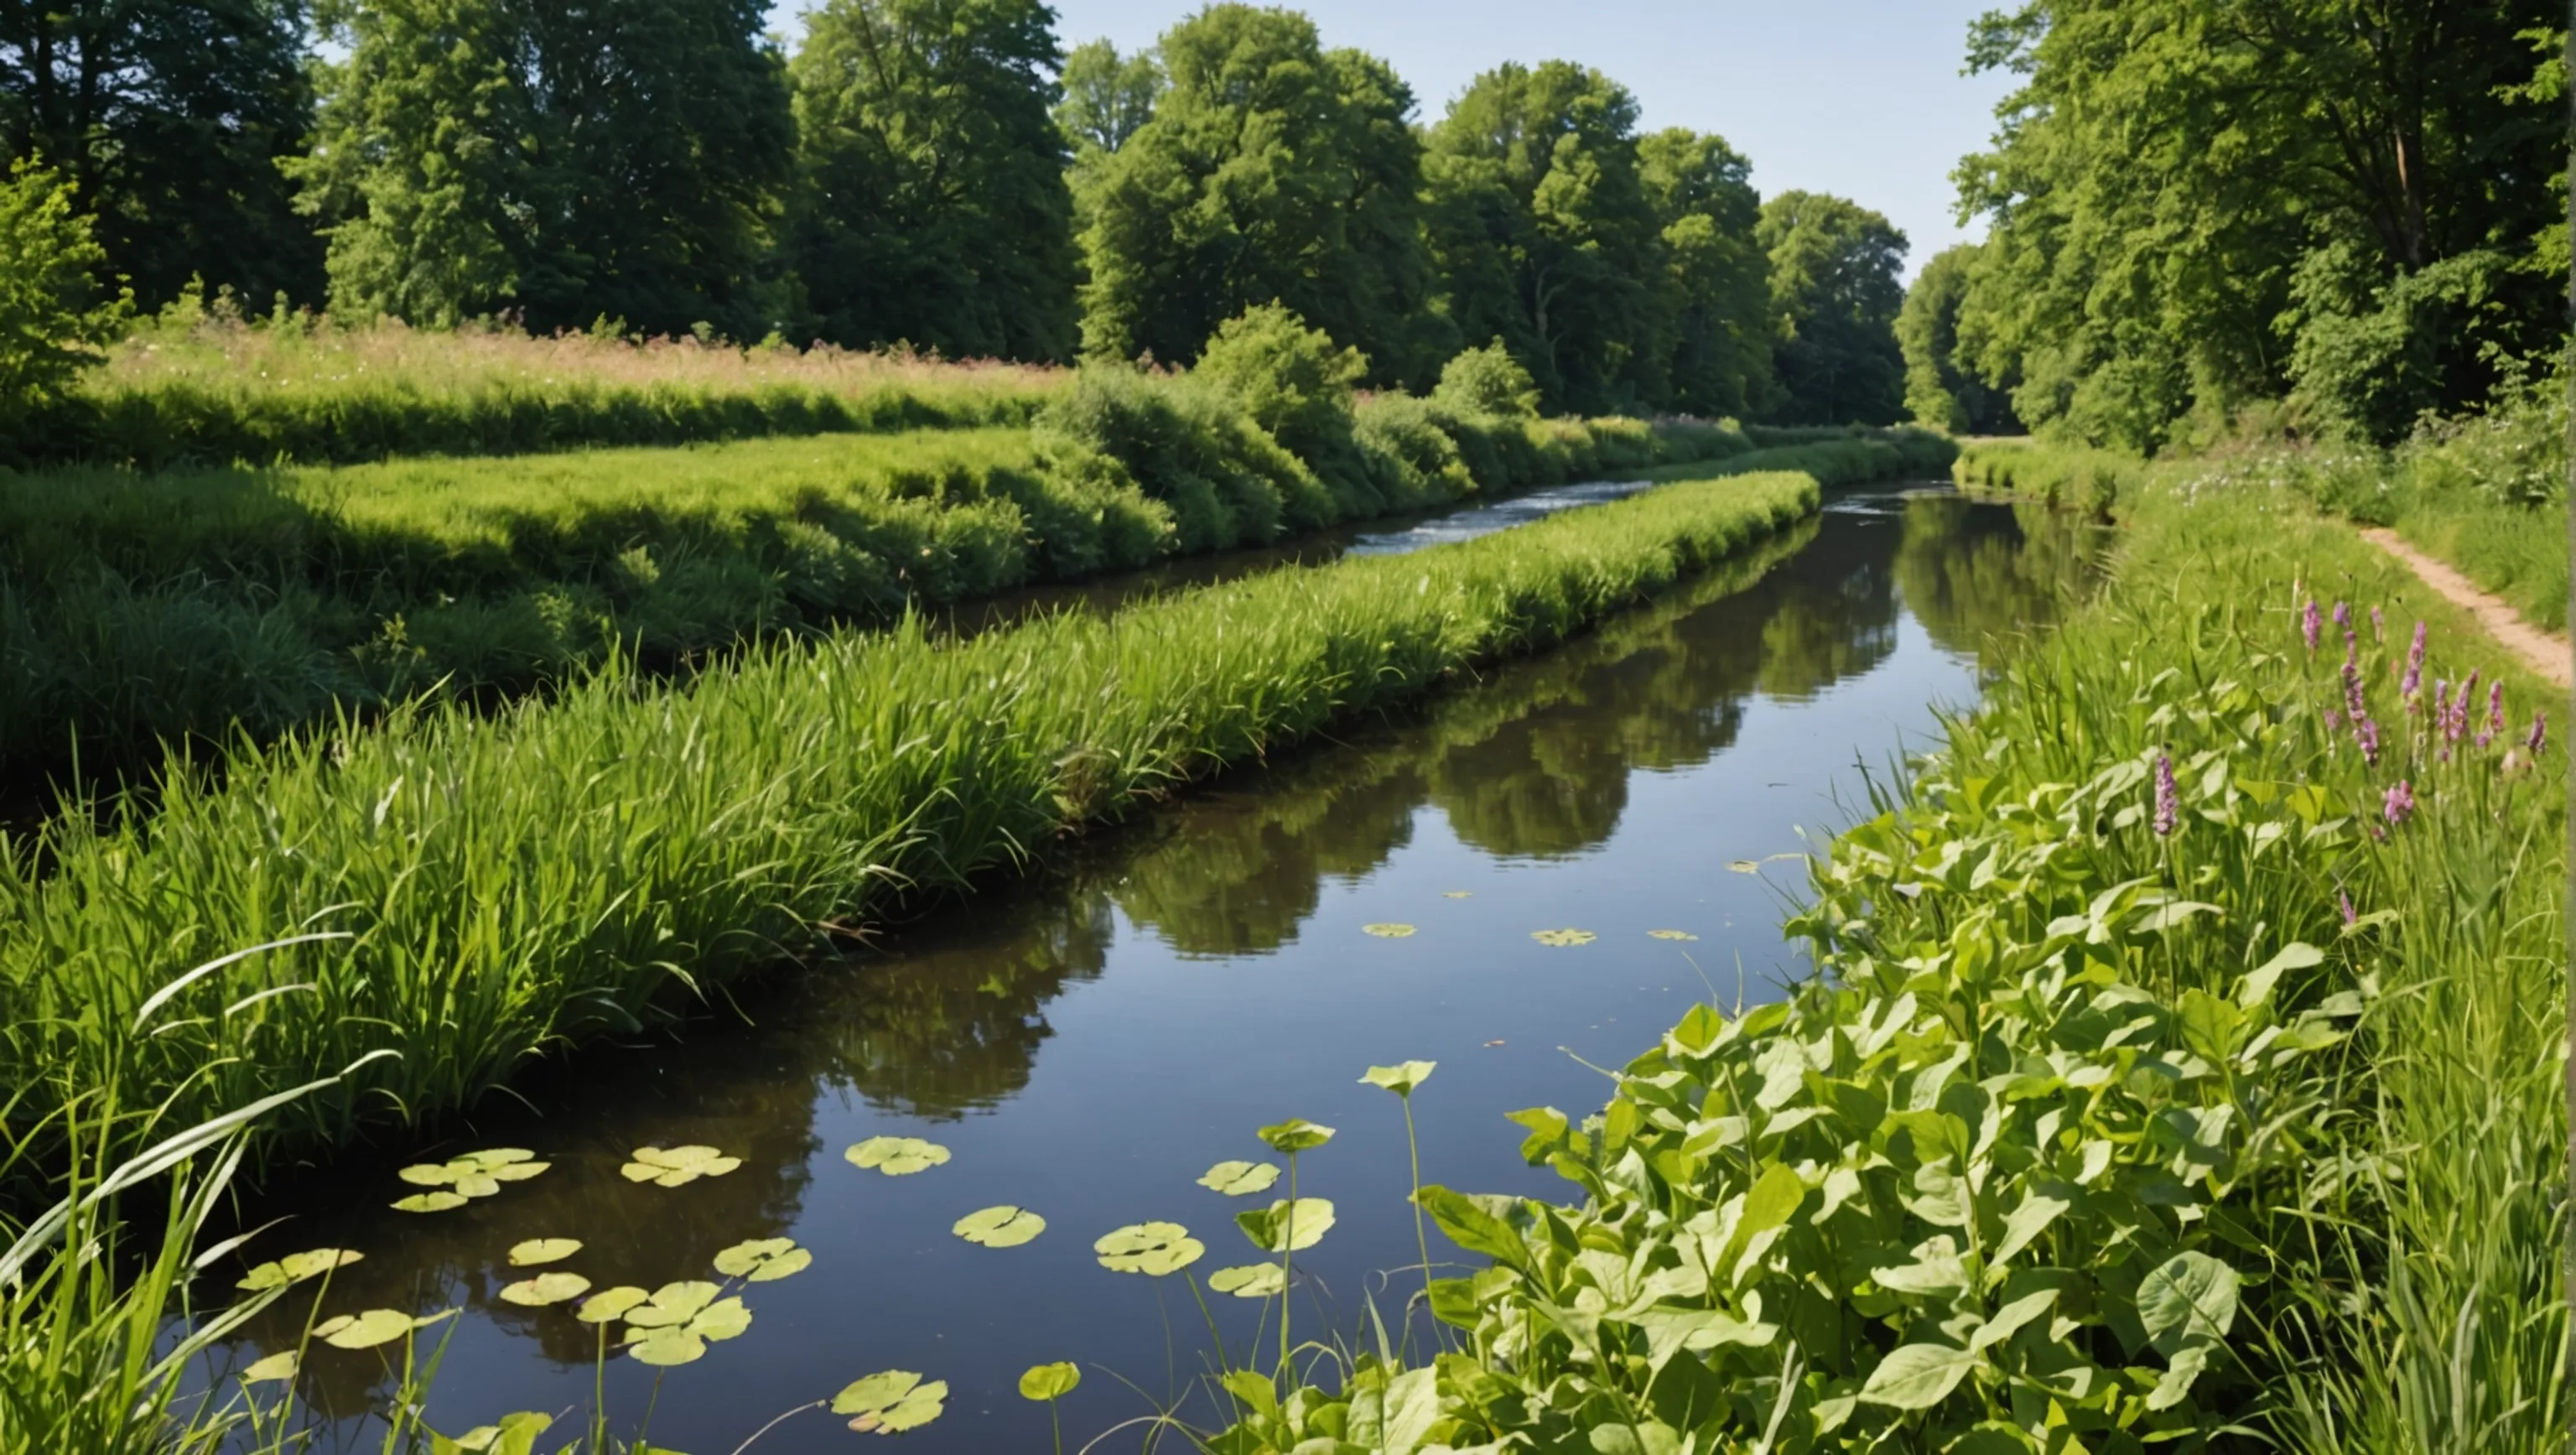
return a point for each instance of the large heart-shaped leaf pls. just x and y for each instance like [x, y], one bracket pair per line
[1400, 1078]
[1287, 1227]
[891, 1402]
[897, 1156]
[1563, 937]
[1296, 1135]
[536, 1251]
[609, 1305]
[671, 1305]
[1049, 1381]
[999, 1227]
[1153, 1249]
[1240, 1179]
[1671, 935]
[295, 1268]
[375, 1326]
[514, 1434]
[430, 1202]
[1250, 1280]
[2187, 1299]
[476, 1174]
[280, 1367]
[763, 1260]
[546, 1288]
[676, 1166]
[680, 1320]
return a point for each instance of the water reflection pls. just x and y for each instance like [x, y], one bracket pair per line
[1538, 770]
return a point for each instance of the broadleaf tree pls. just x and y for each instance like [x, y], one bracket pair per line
[1834, 289]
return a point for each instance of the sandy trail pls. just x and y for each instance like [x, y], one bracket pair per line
[2544, 652]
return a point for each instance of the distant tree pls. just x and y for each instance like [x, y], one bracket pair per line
[1107, 97]
[1835, 294]
[571, 161]
[1271, 170]
[1943, 390]
[1544, 234]
[1716, 343]
[1488, 381]
[168, 118]
[52, 307]
[933, 207]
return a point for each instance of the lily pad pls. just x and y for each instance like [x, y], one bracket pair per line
[476, 1174]
[279, 1367]
[1251, 1280]
[1389, 931]
[1049, 1382]
[609, 1305]
[897, 1156]
[1153, 1249]
[891, 1403]
[1400, 1079]
[375, 1326]
[677, 1323]
[295, 1268]
[516, 1434]
[1296, 1135]
[1286, 1227]
[672, 1304]
[1563, 937]
[1240, 1179]
[430, 1202]
[763, 1260]
[542, 1250]
[1458, 894]
[677, 1166]
[546, 1288]
[1670, 935]
[999, 1227]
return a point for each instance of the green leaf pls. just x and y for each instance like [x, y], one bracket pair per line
[1249, 1280]
[875, 1392]
[676, 1166]
[610, 1305]
[2188, 1298]
[891, 1403]
[542, 1250]
[295, 1268]
[1671, 935]
[2009, 1319]
[1287, 1227]
[2259, 982]
[1296, 1135]
[1389, 931]
[2175, 1387]
[672, 1305]
[897, 1156]
[1153, 1249]
[1400, 1079]
[764, 1260]
[1049, 1382]
[1651, 1438]
[2026, 1222]
[1473, 1226]
[545, 1288]
[1917, 1376]
[280, 1367]
[375, 1326]
[1563, 937]
[1240, 1179]
[999, 1227]
[430, 1202]
[666, 1348]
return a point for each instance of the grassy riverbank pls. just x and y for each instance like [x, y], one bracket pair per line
[515, 883]
[2185, 1060]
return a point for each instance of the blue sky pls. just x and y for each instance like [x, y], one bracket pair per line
[1858, 97]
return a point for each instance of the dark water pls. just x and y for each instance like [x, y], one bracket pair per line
[1089, 1044]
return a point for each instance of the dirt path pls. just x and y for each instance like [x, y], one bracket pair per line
[2544, 652]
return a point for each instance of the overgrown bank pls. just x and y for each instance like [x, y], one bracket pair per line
[517, 882]
[2187, 1060]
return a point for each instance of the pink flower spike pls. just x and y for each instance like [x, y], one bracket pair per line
[2398, 804]
[2310, 624]
[2168, 798]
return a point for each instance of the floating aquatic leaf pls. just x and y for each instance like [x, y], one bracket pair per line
[1251, 1280]
[1296, 1135]
[281, 1367]
[430, 1202]
[1563, 937]
[1153, 1249]
[1745, 866]
[665, 1348]
[546, 1288]
[1389, 931]
[1458, 894]
[1286, 1227]
[375, 1326]
[672, 1304]
[892, 1402]
[516, 1434]
[476, 1174]
[677, 1166]
[1671, 935]
[610, 1305]
[542, 1250]
[1400, 1079]
[897, 1156]
[295, 1268]
[999, 1227]
[1049, 1381]
[1240, 1179]
[679, 1321]
[763, 1260]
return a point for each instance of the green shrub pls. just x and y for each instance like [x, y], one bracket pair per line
[51, 313]
[1487, 382]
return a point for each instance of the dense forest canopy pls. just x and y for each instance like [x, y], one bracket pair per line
[2338, 214]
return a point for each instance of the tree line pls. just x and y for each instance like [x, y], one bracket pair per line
[2331, 217]
[942, 174]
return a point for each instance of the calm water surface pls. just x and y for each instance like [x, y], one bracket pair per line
[1088, 1044]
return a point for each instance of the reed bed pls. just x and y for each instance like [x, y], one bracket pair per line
[515, 883]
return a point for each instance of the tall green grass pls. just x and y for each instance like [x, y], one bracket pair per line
[515, 883]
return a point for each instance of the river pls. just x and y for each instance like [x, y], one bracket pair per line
[1086, 1044]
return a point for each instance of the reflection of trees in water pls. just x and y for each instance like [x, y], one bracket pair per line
[1237, 871]
[1976, 577]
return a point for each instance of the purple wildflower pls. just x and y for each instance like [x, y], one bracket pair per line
[2455, 718]
[2398, 804]
[2168, 798]
[2378, 626]
[2343, 616]
[2351, 648]
[2495, 713]
[2310, 624]
[2366, 733]
[2334, 722]
[2349, 913]
[2539, 739]
[2414, 682]
[2354, 705]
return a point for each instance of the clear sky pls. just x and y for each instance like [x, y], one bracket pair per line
[1857, 97]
